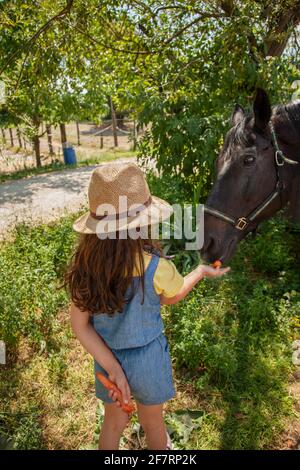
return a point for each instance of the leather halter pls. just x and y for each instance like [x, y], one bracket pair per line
[242, 223]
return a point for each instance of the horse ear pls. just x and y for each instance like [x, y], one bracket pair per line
[262, 109]
[237, 115]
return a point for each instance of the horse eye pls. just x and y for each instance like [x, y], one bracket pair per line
[249, 160]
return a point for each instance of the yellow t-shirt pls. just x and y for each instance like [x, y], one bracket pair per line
[167, 280]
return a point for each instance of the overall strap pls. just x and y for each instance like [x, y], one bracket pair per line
[150, 270]
[152, 266]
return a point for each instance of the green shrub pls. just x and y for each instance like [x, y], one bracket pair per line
[30, 273]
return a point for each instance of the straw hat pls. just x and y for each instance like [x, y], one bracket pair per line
[119, 199]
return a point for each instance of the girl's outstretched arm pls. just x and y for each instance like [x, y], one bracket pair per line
[95, 345]
[191, 279]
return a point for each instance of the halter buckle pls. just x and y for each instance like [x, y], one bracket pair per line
[241, 223]
[278, 154]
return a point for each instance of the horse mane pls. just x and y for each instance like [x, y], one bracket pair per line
[290, 114]
[238, 134]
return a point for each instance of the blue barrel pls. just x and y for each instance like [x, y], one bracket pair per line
[69, 156]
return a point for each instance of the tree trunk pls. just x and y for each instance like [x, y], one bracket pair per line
[37, 151]
[114, 123]
[227, 6]
[283, 18]
[19, 138]
[282, 27]
[36, 140]
[11, 137]
[78, 133]
[3, 135]
[49, 138]
[63, 134]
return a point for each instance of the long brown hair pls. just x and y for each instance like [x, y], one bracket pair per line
[101, 271]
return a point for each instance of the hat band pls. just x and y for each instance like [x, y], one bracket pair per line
[122, 215]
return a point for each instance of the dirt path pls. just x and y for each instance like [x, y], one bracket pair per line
[44, 197]
[290, 438]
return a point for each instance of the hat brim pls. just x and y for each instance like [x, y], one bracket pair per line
[158, 211]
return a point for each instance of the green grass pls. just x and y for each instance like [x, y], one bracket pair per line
[232, 338]
[48, 381]
[94, 159]
[230, 342]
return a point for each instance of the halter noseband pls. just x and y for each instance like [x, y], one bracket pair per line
[242, 222]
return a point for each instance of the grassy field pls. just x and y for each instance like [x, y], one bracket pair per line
[230, 342]
[16, 161]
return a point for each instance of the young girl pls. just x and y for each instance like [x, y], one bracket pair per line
[118, 281]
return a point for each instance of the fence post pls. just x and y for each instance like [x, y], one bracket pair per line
[78, 133]
[11, 137]
[114, 123]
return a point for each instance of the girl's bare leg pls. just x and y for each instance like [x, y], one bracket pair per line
[115, 421]
[151, 420]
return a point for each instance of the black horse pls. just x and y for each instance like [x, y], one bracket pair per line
[258, 173]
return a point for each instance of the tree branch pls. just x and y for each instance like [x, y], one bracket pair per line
[196, 20]
[108, 46]
[172, 7]
[186, 66]
[44, 28]
[278, 36]
[144, 7]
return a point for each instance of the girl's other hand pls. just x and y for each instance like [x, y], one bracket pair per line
[209, 271]
[118, 377]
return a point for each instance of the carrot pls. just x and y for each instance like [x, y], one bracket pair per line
[217, 264]
[109, 385]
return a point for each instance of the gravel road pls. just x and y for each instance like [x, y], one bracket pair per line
[44, 197]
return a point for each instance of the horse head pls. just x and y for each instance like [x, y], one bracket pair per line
[257, 173]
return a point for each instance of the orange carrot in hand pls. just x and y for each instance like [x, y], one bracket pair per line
[109, 385]
[217, 264]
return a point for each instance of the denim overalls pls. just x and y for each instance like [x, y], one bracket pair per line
[136, 338]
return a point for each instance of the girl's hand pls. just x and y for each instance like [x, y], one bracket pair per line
[209, 271]
[118, 377]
